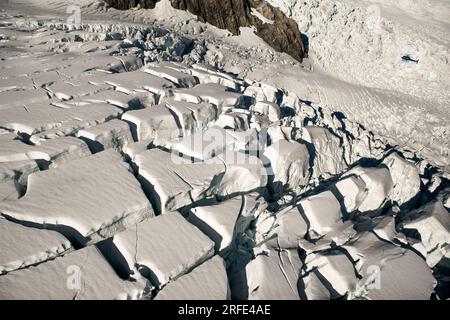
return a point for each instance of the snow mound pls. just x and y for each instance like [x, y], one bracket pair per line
[89, 199]
[405, 177]
[335, 272]
[29, 246]
[173, 182]
[182, 244]
[206, 282]
[290, 163]
[274, 276]
[114, 134]
[432, 224]
[81, 275]
[387, 271]
[378, 183]
[308, 180]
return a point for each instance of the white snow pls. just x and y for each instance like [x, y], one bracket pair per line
[352, 39]
[323, 212]
[270, 109]
[233, 120]
[290, 165]
[260, 148]
[274, 276]
[256, 13]
[132, 81]
[378, 185]
[210, 75]
[405, 177]
[262, 92]
[184, 115]
[201, 145]
[206, 282]
[80, 275]
[120, 99]
[55, 151]
[213, 93]
[152, 122]
[8, 190]
[177, 77]
[173, 182]
[221, 221]
[336, 269]
[327, 150]
[243, 173]
[167, 246]
[67, 91]
[389, 272]
[385, 229]
[15, 99]
[432, 222]
[291, 228]
[96, 196]
[114, 134]
[25, 246]
[43, 121]
[351, 191]
[17, 170]
[313, 288]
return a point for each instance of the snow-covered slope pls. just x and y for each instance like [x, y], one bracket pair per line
[363, 42]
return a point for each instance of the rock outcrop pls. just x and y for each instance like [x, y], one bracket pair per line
[271, 24]
[127, 4]
[283, 34]
[226, 14]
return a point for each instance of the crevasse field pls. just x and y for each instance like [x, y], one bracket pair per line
[145, 154]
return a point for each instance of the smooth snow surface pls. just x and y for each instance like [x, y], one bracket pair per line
[95, 196]
[30, 247]
[167, 246]
[50, 281]
[206, 282]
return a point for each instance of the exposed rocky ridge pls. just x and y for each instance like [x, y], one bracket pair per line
[128, 4]
[282, 33]
[308, 242]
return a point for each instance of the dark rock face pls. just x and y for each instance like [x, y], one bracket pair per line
[127, 4]
[283, 34]
[224, 14]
